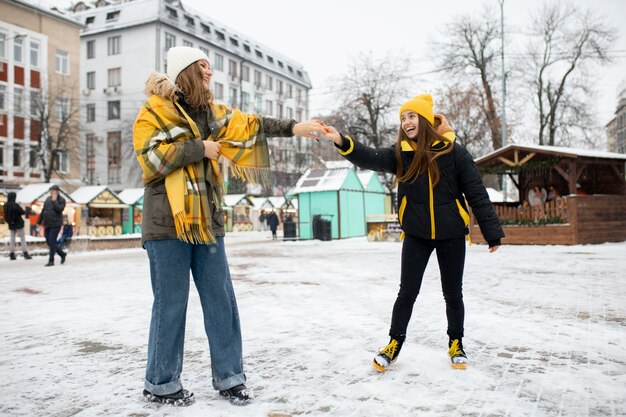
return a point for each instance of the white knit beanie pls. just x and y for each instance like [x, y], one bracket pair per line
[180, 57]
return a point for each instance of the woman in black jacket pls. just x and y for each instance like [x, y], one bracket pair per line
[13, 213]
[435, 176]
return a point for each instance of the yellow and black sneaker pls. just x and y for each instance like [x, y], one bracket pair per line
[387, 355]
[457, 354]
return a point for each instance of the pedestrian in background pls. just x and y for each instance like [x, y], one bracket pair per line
[51, 218]
[272, 222]
[13, 213]
[178, 136]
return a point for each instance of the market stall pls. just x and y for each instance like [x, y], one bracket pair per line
[101, 211]
[131, 217]
[32, 197]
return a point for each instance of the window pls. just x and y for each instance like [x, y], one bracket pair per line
[170, 41]
[1, 154]
[279, 85]
[61, 161]
[258, 103]
[62, 62]
[18, 100]
[91, 80]
[299, 114]
[289, 113]
[279, 111]
[3, 91]
[17, 49]
[91, 158]
[33, 159]
[91, 113]
[91, 49]
[3, 38]
[205, 50]
[115, 77]
[269, 82]
[219, 62]
[258, 53]
[113, 45]
[280, 64]
[62, 108]
[299, 95]
[189, 20]
[270, 59]
[257, 78]
[246, 48]
[232, 68]
[234, 41]
[245, 101]
[111, 16]
[35, 101]
[289, 90]
[17, 155]
[245, 73]
[89, 20]
[232, 96]
[205, 28]
[113, 110]
[220, 35]
[34, 54]
[187, 43]
[219, 91]
[172, 13]
[114, 148]
[269, 107]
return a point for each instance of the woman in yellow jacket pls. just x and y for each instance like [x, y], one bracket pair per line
[435, 176]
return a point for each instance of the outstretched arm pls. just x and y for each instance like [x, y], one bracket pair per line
[376, 159]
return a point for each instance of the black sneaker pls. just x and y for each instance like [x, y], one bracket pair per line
[388, 354]
[457, 354]
[180, 398]
[49, 264]
[63, 258]
[238, 395]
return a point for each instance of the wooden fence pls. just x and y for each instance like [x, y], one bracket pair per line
[551, 212]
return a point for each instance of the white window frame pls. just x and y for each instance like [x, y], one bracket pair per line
[34, 53]
[114, 77]
[62, 62]
[114, 45]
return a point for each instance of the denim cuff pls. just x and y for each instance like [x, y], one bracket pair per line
[164, 389]
[231, 381]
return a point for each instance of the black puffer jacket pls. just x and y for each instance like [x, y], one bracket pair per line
[13, 213]
[439, 212]
[52, 212]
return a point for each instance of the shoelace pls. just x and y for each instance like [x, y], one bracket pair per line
[455, 349]
[390, 349]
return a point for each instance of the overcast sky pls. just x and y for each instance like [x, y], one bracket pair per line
[324, 35]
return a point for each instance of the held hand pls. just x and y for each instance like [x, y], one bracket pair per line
[441, 125]
[310, 128]
[211, 149]
[493, 249]
[333, 134]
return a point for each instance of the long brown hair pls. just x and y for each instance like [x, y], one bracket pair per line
[191, 84]
[424, 157]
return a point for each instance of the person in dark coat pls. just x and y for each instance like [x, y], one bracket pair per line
[66, 233]
[272, 222]
[51, 218]
[13, 213]
[435, 177]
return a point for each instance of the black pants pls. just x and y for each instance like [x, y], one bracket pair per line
[415, 255]
[51, 234]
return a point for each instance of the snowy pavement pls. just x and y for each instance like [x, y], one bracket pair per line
[545, 333]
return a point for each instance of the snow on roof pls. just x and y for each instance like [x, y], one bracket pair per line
[342, 163]
[130, 196]
[558, 149]
[315, 180]
[85, 194]
[260, 202]
[33, 192]
[232, 199]
[277, 201]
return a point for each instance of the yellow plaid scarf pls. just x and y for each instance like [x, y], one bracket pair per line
[161, 124]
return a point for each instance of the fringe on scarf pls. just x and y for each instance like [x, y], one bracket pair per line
[254, 175]
[192, 232]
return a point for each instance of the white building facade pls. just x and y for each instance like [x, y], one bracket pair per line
[123, 42]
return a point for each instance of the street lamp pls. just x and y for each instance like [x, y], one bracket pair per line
[504, 182]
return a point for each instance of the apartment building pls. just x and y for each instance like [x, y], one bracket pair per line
[123, 41]
[39, 96]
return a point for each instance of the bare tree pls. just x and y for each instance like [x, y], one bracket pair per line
[56, 122]
[461, 106]
[469, 55]
[565, 42]
[369, 96]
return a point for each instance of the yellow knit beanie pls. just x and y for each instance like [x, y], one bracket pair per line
[421, 104]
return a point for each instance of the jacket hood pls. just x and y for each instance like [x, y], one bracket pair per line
[159, 84]
[11, 197]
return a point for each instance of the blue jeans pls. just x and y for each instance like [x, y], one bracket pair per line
[51, 234]
[170, 263]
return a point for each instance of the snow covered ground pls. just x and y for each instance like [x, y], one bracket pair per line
[545, 333]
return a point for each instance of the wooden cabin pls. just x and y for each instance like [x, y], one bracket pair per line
[590, 187]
